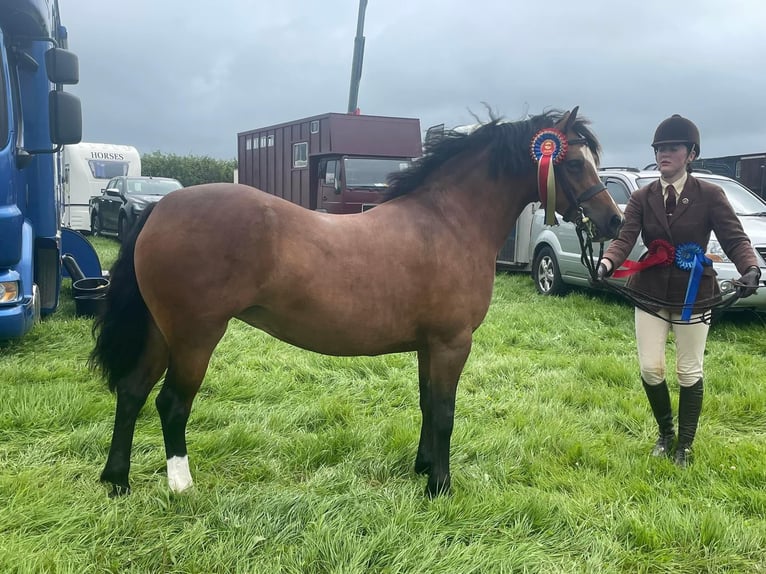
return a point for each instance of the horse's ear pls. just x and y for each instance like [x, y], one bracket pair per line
[567, 120]
[571, 119]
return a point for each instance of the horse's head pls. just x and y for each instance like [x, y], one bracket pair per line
[579, 190]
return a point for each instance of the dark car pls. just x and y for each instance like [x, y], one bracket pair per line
[123, 199]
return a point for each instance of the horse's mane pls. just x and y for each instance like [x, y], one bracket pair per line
[509, 149]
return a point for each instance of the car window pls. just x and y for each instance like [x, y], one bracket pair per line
[741, 199]
[152, 186]
[111, 185]
[618, 191]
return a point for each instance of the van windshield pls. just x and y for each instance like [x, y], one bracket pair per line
[371, 172]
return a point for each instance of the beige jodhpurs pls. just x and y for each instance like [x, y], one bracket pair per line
[651, 336]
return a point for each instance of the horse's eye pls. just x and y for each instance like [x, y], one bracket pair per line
[575, 165]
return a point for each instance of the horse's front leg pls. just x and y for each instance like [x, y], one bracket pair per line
[424, 456]
[446, 365]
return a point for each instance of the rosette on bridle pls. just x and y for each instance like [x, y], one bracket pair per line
[690, 257]
[660, 254]
[548, 148]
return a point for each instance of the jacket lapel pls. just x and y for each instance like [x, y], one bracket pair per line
[687, 197]
[657, 204]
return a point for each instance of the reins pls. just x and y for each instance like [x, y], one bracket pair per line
[715, 305]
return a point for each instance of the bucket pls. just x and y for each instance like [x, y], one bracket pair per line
[90, 287]
[89, 305]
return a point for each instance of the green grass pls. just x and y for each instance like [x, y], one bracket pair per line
[303, 463]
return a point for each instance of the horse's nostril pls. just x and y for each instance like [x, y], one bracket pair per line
[616, 223]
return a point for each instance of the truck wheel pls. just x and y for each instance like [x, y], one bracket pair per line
[546, 273]
[122, 228]
[95, 224]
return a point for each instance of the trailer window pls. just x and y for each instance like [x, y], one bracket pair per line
[300, 154]
[314, 127]
[108, 169]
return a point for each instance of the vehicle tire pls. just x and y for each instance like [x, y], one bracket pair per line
[95, 224]
[122, 228]
[546, 273]
[36, 304]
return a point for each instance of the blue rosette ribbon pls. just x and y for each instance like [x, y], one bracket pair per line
[690, 257]
[548, 148]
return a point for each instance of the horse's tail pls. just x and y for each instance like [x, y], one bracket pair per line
[122, 329]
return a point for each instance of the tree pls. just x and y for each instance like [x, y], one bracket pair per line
[190, 169]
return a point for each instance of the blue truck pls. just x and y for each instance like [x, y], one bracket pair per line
[37, 118]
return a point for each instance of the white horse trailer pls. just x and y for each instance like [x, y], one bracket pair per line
[87, 169]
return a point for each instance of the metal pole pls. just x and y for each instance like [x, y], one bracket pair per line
[356, 63]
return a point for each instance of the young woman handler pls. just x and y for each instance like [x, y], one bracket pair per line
[675, 216]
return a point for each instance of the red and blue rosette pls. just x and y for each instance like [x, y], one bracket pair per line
[690, 257]
[548, 148]
[660, 254]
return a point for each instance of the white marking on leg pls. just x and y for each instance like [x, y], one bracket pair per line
[179, 475]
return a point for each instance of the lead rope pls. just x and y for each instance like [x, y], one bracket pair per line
[716, 305]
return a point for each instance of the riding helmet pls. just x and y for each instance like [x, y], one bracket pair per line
[677, 129]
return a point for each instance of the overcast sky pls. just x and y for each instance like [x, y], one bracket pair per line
[185, 76]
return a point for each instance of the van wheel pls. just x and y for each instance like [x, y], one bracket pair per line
[546, 273]
[95, 224]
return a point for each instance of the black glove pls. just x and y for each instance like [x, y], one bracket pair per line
[748, 283]
[601, 272]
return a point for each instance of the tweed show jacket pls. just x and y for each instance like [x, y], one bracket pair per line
[702, 207]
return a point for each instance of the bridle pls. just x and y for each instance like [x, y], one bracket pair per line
[575, 212]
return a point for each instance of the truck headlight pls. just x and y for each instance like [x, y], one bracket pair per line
[716, 253]
[9, 291]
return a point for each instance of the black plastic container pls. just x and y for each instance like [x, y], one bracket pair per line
[90, 296]
[90, 286]
[89, 305]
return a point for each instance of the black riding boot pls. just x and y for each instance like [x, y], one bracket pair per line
[689, 408]
[659, 399]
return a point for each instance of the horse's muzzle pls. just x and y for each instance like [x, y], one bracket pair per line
[615, 224]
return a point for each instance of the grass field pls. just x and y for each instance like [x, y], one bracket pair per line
[303, 463]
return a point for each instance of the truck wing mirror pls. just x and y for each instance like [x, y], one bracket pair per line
[65, 113]
[62, 66]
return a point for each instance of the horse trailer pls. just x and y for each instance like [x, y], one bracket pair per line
[87, 168]
[337, 163]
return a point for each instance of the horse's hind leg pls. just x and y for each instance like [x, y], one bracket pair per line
[188, 364]
[132, 392]
[445, 366]
[424, 456]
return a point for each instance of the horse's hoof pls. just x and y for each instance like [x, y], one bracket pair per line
[118, 488]
[436, 488]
